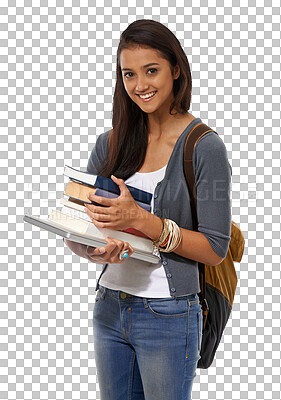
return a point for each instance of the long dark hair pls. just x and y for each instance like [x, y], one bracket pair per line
[129, 137]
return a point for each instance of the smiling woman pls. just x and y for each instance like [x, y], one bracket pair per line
[147, 320]
[150, 88]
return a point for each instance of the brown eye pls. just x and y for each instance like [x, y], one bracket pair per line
[125, 75]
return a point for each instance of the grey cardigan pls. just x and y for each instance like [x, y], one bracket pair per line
[212, 173]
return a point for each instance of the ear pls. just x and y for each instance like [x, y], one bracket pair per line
[176, 71]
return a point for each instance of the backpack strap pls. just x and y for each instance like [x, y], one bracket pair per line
[194, 135]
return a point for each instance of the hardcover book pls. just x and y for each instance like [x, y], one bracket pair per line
[101, 182]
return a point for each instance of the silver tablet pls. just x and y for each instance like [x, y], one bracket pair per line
[83, 239]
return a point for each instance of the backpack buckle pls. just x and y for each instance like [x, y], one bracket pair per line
[204, 305]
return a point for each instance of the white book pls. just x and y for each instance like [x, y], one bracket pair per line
[76, 213]
[71, 204]
[80, 176]
[88, 228]
[85, 232]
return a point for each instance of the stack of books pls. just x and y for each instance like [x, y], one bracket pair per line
[82, 183]
[73, 223]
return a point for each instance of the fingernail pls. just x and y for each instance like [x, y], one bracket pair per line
[102, 250]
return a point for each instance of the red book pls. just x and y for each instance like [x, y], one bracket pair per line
[135, 232]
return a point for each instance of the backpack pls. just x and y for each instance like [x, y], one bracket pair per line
[217, 283]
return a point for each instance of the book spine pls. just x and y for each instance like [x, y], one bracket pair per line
[140, 195]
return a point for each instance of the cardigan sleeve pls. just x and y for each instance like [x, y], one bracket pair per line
[98, 153]
[212, 173]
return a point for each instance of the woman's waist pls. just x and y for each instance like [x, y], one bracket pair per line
[120, 294]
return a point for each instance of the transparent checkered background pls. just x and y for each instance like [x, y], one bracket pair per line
[57, 81]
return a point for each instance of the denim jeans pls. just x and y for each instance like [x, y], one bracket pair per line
[146, 348]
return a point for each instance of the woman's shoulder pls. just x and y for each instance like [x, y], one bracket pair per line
[210, 150]
[209, 143]
[103, 137]
[101, 142]
[98, 153]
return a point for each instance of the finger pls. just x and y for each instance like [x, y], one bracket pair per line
[131, 249]
[103, 224]
[98, 216]
[119, 247]
[104, 252]
[127, 246]
[113, 247]
[122, 185]
[97, 209]
[107, 248]
[101, 200]
[120, 244]
[95, 251]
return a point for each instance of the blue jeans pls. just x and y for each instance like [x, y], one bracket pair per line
[146, 348]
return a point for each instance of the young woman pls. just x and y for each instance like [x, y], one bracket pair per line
[147, 318]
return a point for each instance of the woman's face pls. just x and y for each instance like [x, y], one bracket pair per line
[144, 72]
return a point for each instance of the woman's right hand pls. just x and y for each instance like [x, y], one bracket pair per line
[109, 253]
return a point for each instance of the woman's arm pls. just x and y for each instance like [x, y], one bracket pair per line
[194, 245]
[212, 173]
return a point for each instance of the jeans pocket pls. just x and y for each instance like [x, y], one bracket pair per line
[167, 308]
[200, 326]
[100, 295]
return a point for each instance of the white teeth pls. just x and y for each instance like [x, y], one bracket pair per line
[147, 95]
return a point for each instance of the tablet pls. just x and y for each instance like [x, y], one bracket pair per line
[66, 233]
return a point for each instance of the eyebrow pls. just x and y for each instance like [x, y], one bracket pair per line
[145, 66]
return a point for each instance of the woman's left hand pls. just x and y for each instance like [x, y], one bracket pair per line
[119, 214]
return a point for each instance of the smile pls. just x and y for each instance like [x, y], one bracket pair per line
[148, 96]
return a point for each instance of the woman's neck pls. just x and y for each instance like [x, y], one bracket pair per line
[173, 123]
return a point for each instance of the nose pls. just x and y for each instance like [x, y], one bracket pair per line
[141, 84]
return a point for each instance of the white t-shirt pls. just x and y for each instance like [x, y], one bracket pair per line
[137, 277]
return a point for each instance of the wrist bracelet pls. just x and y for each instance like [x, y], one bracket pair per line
[164, 233]
[170, 237]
